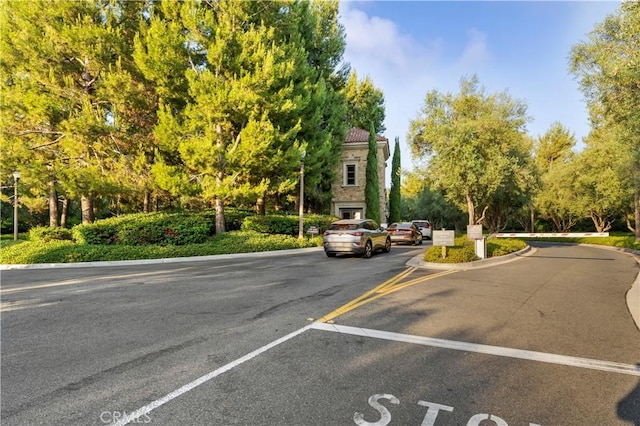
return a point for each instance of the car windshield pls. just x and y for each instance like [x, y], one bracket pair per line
[421, 224]
[343, 227]
[400, 226]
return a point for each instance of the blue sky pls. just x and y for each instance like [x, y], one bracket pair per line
[409, 48]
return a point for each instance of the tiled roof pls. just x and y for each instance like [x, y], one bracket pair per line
[359, 135]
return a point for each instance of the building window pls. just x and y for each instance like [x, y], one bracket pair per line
[350, 174]
[351, 213]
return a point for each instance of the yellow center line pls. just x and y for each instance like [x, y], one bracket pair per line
[391, 281]
[390, 286]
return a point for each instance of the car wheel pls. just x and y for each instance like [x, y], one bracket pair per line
[368, 250]
[414, 242]
[420, 242]
[387, 245]
[331, 254]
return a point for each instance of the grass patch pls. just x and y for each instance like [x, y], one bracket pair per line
[464, 250]
[30, 252]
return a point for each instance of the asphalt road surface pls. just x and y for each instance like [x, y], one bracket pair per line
[303, 339]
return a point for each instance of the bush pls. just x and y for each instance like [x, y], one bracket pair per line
[463, 251]
[285, 224]
[146, 228]
[100, 232]
[501, 246]
[46, 234]
[233, 218]
[30, 252]
[165, 229]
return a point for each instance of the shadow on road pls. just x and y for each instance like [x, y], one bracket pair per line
[629, 406]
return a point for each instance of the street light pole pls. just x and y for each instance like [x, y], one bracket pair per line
[16, 178]
[301, 203]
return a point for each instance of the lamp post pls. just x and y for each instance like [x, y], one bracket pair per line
[16, 178]
[301, 204]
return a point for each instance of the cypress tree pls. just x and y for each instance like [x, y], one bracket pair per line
[394, 194]
[372, 185]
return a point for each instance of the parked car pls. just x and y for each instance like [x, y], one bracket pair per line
[405, 232]
[424, 226]
[356, 236]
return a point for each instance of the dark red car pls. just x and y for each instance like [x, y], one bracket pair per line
[405, 232]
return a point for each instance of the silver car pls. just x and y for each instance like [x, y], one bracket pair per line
[356, 236]
[425, 228]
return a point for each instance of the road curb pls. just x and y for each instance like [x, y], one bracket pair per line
[258, 254]
[417, 261]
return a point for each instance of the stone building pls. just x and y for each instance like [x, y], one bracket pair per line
[348, 200]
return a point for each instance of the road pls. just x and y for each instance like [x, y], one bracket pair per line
[302, 340]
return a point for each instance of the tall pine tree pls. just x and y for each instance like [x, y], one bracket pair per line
[394, 193]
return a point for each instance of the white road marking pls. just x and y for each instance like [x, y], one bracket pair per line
[397, 337]
[203, 379]
[613, 367]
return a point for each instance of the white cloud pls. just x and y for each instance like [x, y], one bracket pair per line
[377, 42]
[476, 52]
[398, 64]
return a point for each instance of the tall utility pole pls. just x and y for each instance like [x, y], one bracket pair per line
[16, 178]
[301, 203]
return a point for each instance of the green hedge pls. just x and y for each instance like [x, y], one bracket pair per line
[463, 251]
[285, 224]
[30, 252]
[46, 234]
[147, 228]
[501, 246]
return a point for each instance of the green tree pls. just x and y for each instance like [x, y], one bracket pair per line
[365, 103]
[516, 189]
[395, 199]
[557, 199]
[421, 201]
[555, 145]
[472, 140]
[74, 109]
[263, 94]
[603, 193]
[606, 66]
[372, 184]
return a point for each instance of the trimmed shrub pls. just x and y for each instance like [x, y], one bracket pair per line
[463, 251]
[95, 233]
[46, 234]
[146, 228]
[285, 224]
[28, 252]
[163, 229]
[233, 218]
[501, 246]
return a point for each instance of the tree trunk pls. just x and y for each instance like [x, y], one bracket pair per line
[65, 212]
[636, 202]
[533, 228]
[87, 210]
[146, 202]
[260, 206]
[601, 223]
[277, 204]
[220, 228]
[471, 208]
[219, 216]
[53, 205]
